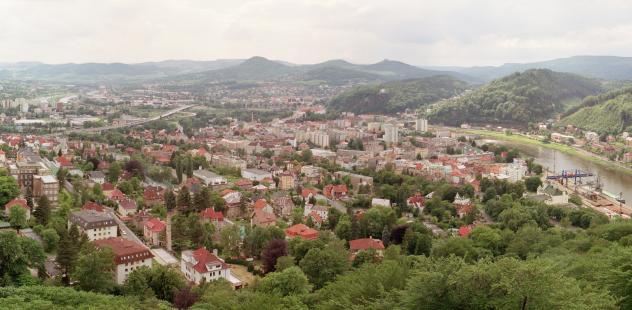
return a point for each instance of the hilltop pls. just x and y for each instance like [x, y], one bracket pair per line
[600, 67]
[610, 112]
[519, 98]
[397, 96]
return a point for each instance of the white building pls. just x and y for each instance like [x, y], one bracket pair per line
[421, 124]
[515, 171]
[391, 133]
[255, 174]
[202, 265]
[319, 138]
[96, 225]
[322, 211]
[209, 178]
[128, 256]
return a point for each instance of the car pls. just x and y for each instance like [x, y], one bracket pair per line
[123, 233]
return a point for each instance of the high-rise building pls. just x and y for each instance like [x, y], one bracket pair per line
[391, 133]
[421, 124]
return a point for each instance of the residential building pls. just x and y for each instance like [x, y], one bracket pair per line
[365, 244]
[255, 174]
[153, 229]
[209, 178]
[97, 177]
[301, 231]
[46, 185]
[391, 133]
[286, 181]
[96, 225]
[214, 217]
[20, 202]
[203, 266]
[421, 124]
[128, 256]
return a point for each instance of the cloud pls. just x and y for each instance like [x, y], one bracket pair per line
[455, 32]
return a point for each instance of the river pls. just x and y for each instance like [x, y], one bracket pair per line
[612, 180]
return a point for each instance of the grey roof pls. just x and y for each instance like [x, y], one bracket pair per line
[88, 219]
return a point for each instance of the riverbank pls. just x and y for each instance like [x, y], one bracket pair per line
[519, 138]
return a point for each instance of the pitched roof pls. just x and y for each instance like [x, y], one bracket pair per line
[203, 258]
[211, 214]
[16, 202]
[260, 203]
[155, 225]
[365, 244]
[124, 249]
[91, 205]
[302, 231]
[128, 204]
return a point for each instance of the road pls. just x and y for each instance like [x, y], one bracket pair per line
[104, 128]
[125, 231]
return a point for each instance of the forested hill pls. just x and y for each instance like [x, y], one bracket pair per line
[397, 96]
[610, 112]
[530, 96]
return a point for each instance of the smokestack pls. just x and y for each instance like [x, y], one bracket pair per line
[169, 215]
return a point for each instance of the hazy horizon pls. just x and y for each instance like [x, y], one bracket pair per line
[422, 33]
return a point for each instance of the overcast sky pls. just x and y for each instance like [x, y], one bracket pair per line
[420, 32]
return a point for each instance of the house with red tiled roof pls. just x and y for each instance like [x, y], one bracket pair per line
[301, 231]
[364, 244]
[261, 217]
[152, 230]
[116, 195]
[244, 183]
[203, 266]
[91, 205]
[20, 202]
[214, 217]
[463, 205]
[128, 256]
[464, 231]
[335, 191]
[127, 207]
[416, 201]
[307, 193]
[153, 195]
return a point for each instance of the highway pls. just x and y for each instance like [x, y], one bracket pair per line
[105, 128]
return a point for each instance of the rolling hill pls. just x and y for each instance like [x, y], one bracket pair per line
[610, 112]
[397, 96]
[600, 67]
[200, 72]
[530, 96]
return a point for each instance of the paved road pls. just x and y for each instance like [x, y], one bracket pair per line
[99, 129]
[125, 231]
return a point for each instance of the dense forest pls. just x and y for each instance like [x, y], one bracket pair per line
[397, 96]
[519, 98]
[610, 112]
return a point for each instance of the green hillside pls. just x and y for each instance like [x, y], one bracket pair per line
[605, 113]
[519, 98]
[397, 96]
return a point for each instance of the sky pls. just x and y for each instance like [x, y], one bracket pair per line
[420, 32]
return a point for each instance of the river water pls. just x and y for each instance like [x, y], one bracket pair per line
[612, 180]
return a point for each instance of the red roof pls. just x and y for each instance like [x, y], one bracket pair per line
[464, 231]
[116, 194]
[365, 244]
[317, 218]
[16, 202]
[153, 193]
[91, 205]
[260, 204]
[155, 225]
[243, 182]
[203, 257]
[128, 204]
[124, 249]
[211, 214]
[302, 231]
[263, 217]
[107, 186]
[307, 191]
